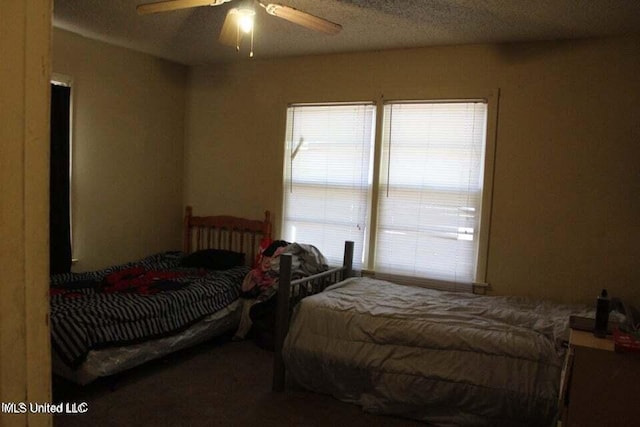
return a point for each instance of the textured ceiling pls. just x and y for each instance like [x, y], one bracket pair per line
[190, 36]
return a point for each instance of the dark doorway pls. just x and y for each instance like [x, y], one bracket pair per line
[59, 191]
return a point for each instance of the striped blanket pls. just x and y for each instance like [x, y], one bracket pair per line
[85, 317]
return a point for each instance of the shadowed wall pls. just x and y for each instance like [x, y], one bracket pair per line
[128, 131]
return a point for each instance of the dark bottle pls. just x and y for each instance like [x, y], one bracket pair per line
[602, 314]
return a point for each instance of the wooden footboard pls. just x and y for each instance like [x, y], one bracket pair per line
[290, 292]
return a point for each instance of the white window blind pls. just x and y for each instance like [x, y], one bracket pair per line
[430, 191]
[327, 177]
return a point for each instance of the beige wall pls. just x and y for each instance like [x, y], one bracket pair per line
[25, 371]
[565, 207]
[128, 131]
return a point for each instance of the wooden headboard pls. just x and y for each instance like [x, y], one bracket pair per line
[225, 232]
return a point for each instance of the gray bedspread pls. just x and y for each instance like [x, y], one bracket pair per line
[446, 358]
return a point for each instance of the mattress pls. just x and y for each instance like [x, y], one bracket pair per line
[113, 360]
[446, 358]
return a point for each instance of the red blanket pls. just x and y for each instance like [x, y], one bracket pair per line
[138, 280]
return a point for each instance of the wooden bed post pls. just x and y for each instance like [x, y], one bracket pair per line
[347, 262]
[282, 321]
[186, 247]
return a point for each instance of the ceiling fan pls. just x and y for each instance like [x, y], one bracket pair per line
[240, 20]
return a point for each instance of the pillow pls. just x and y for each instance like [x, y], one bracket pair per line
[213, 259]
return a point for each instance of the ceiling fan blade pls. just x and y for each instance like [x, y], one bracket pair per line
[304, 19]
[229, 32]
[167, 5]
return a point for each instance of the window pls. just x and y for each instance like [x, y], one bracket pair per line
[430, 198]
[418, 213]
[327, 176]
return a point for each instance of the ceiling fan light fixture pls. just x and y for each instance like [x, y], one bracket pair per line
[240, 21]
[245, 20]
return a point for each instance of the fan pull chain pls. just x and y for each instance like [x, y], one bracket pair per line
[251, 52]
[237, 38]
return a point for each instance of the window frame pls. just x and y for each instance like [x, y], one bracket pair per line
[491, 98]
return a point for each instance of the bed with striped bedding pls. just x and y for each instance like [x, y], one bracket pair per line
[86, 316]
[107, 321]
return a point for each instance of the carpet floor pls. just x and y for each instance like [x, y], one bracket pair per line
[218, 383]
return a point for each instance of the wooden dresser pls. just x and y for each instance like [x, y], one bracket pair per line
[599, 386]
